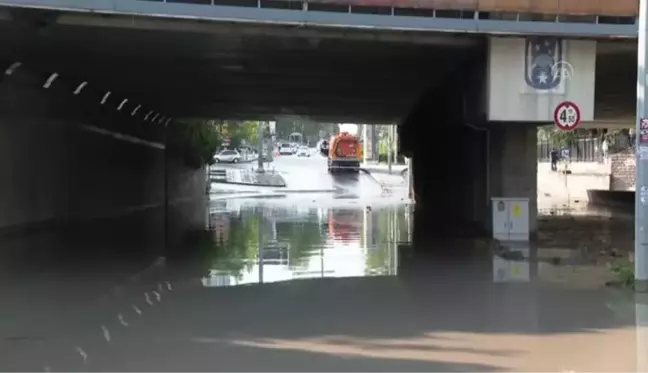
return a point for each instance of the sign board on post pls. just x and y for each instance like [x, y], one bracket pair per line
[643, 131]
[567, 116]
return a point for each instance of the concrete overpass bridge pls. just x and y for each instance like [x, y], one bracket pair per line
[89, 86]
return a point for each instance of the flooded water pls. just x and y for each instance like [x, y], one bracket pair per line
[301, 285]
[264, 244]
[579, 243]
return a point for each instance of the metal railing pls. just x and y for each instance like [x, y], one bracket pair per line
[581, 11]
[580, 150]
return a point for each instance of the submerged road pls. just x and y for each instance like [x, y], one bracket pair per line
[304, 174]
[315, 283]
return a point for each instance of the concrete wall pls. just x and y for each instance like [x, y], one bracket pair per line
[61, 160]
[556, 189]
[511, 98]
[623, 169]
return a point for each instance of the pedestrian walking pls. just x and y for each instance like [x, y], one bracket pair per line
[553, 156]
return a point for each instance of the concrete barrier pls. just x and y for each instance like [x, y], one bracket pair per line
[557, 187]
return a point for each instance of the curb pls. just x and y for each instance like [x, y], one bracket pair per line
[305, 191]
[379, 171]
[249, 195]
[248, 184]
[266, 193]
[239, 162]
[229, 192]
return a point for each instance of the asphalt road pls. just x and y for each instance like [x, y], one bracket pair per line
[305, 174]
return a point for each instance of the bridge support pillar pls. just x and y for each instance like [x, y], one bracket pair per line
[513, 166]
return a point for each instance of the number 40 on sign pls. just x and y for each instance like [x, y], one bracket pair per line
[567, 116]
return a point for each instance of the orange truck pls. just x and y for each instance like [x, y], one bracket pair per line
[343, 152]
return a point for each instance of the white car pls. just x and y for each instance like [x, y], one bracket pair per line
[286, 149]
[228, 156]
[303, 152]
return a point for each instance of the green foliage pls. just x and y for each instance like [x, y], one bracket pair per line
[308, 128]
[240, 249]
[624, 273]
[193, 140]
[238, 252]
[303, 237]
[239, 131]
[378, 259]
[384, 158]
[230, 256]
[560, 138]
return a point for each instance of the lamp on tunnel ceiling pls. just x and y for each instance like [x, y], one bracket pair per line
[167, 121]
[162, 118]
[80, 87]
[50, 80]
[121, 105]
[105, 98]
[148, 115]
[10, 70]
[155, 117]
[135, 110]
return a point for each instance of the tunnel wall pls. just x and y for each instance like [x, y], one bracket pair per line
[62, 161]
[444, 134]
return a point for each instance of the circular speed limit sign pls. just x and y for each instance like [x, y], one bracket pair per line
[567, 116]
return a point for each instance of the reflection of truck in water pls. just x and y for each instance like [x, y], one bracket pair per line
[343, 152]
[345, 224]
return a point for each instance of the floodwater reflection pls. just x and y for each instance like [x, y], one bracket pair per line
[272, 244]
[373, 299]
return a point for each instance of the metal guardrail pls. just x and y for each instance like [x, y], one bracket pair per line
[568, 18]
[218, 174]
[581, 11]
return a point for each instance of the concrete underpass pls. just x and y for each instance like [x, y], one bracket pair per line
[86, 103]
[93, 137]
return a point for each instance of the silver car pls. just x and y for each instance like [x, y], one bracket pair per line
[228, 156]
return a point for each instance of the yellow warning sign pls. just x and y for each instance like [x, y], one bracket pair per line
[516, 270]
[516, 210]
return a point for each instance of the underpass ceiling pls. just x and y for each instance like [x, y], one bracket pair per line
[240, 74]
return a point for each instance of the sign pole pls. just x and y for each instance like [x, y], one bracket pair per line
[260, 147]
[641, 148]
[641, 193]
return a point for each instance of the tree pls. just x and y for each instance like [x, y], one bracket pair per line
[234, 254]
[561, 138]
[241, 248]
[194, 140]
[377, 258]
[303, 238]
[242, 132]
[308, 128]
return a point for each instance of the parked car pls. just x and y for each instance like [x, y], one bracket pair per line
[303, 152]
[228, 156]
[286, 149]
